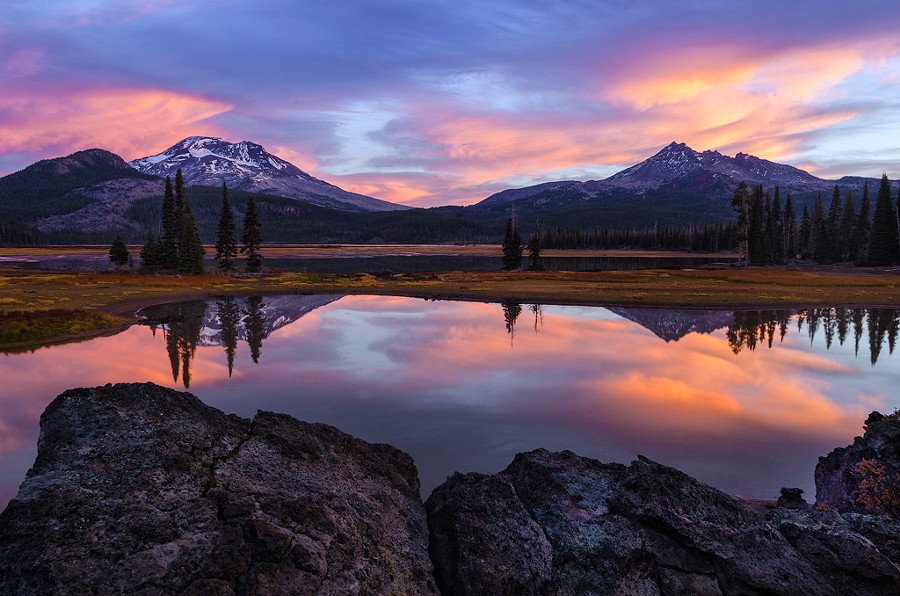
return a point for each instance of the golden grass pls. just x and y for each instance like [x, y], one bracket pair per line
[120, 295]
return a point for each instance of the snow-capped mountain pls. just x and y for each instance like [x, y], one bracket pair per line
[208, 161]
[274, 312]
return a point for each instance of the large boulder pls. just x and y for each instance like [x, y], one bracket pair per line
[557, 523]
[144, 490]
[863, 477]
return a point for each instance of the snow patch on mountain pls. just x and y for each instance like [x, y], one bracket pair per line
[210, 161]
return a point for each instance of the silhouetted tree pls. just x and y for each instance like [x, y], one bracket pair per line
[118, 252]
[863, 226]
[848, 243]
[190, 247]
[535, 245]
[226, 245]
[254, 326]
[741, 203]
[151, 254]
[229, 316]
[884, 248]
[171, 228]
[512, 246]
[511, 312]
[252, 238]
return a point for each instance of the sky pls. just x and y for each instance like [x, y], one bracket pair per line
[433, 102]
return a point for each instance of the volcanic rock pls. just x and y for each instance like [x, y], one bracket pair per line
[641, 529]
[839, 477]
[144, 490]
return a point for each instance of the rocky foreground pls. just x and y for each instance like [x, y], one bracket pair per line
[144, 490]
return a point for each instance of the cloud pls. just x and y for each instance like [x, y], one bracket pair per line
[123, 120]
[451, 101]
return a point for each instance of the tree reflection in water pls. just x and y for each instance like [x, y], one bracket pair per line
[759, 327]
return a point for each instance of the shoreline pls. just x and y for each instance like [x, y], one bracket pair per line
[24, 293]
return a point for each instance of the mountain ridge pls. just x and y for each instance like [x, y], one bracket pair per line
[677, 168]
[245, 165]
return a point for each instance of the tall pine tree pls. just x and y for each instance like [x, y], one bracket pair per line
[226, 245]
[849, 249]
[252, 238]
[171, 228]
[884, 248]
[863, 227]
[512, 246]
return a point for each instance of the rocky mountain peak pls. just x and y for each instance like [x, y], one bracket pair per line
[210, 161]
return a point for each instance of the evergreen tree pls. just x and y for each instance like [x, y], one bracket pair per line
[741, 202]
[252, 238]
[254, 326]
[534, 248]
[118, 252]
[816, 229]
[179, 192]
[756, 227]
[171, 228]
[226, 245]
[805, 233]
[229, 316]
[190, 247]
[151, 254]
[830, 241]
[790, 230]
[776, 238]
[884, 247]
[849, 249]
[512, 247]
[863, 227]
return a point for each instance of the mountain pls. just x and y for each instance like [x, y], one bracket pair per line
[208, 161]
[672, 325]
[675, 187]
[51, 186]
[679, 167]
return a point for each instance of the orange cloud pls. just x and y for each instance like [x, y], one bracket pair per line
[129, 122]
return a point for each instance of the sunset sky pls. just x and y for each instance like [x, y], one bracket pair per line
[438, 102]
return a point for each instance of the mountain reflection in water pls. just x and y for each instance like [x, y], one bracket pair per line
[464, 386]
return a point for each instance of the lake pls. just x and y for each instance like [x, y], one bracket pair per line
[744, 401]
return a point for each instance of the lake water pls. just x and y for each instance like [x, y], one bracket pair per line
[744, 401]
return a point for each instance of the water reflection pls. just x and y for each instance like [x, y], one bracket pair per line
[753, 328]
[442, 381]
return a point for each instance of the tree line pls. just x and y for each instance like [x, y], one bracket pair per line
[840, 232]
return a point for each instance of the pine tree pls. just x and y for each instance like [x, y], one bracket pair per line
[150, 254]
[816, 229]
[863, 227]
[118, 252]
[790, 230]
[884, 248]
[512, 247]
[226, 246]
[831, 248]
[254, 326]
[535, 245]
[190, 247]
[171, 228]
[741, 202]
[252, 238]
[849, 249]
[756, 227]
[805, 233]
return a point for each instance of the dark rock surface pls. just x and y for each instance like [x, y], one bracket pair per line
[792, 498]
[143, 490]
[140, 489]
[837, 484]
[557, 523]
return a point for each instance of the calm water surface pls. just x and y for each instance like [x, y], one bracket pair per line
[744, 401]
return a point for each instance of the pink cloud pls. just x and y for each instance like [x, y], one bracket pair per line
[126, 121]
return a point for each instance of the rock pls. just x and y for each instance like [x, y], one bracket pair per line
[641, 529]
[837, 482]
[791, 499]
[141, 489]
